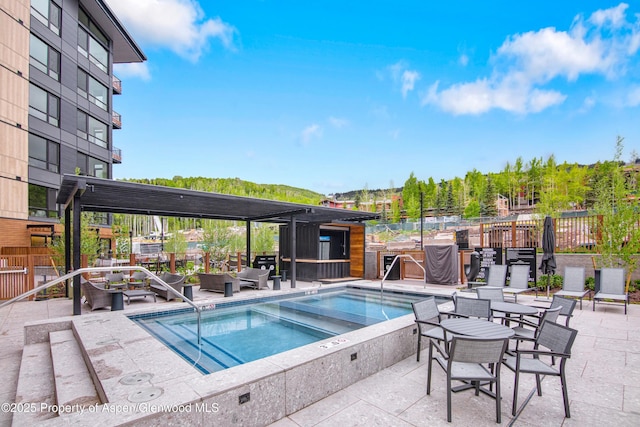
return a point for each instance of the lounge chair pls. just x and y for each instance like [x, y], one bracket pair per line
[174, 280]
[573, 284]
[95, 295]
[611, 287]
[215, 282]
[254, 277]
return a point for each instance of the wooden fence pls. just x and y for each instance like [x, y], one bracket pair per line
[574, 234]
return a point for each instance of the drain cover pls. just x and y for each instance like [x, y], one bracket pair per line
[137, 378]
[107, 342]
[145, 395]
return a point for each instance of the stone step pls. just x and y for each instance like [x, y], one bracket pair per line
[74, 387]
[35, 393]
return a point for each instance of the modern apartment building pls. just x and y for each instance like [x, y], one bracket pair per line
[56, 107]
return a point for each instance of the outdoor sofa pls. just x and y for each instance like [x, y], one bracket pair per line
[176, 281]
[254, 277]
[215, 282]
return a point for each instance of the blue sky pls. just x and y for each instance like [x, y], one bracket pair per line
[334, 96]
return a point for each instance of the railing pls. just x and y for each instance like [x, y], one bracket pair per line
[391, 269]
[116, 120]
[71, 275]
[573, 234]
[116, 155]
[116, 84]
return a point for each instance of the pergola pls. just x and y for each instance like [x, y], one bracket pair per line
[84, 193]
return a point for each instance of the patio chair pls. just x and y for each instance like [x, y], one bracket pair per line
[530, 333]
[428, 320]
[496, 277]
[174, 280]
[612, 284]
[492, 294]
[573, 284]
[567, 305]
[115, 280]
[465, 363]
[553, 340]
[139, 279]
[518, 280]
[95, 295]
[471, 307]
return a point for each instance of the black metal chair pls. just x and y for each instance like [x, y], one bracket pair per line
[553, 340]
[465, 363]
[471, 307]
[428, 320]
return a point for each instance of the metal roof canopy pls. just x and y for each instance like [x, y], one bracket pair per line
[110, 196]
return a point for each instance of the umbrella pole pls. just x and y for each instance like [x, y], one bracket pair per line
[548, 284]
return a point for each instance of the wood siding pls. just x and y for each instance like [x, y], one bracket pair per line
[356, 249]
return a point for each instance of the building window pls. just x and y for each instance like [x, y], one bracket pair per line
[44, 57]
[44, 105]
[48, 13]
[94, 91]
[44, 154]
[42, 202]
[92, 43]
[90, 48]
[92, 166]
[92, 130]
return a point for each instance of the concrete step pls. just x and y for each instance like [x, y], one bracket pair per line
[74, 386]
[35, 393]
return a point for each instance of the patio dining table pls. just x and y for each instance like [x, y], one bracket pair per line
[511, 308]
[476, 328]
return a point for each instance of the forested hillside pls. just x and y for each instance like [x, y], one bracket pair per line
[238, 187]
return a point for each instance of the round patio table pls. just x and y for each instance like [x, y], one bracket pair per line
[476, 328]
[512, 308]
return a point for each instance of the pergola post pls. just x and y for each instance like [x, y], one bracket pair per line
[67, 246]
[292, 244]
[77, 216]
[248, 244]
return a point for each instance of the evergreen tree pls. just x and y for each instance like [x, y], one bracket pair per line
[490, 200]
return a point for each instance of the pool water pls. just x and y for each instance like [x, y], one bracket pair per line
[234, 334]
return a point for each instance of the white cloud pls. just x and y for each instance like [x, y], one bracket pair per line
[526, 62]
[338, 122]
[633, 97]
[133, 69]
[463, 60]
[309, 133]
[409, 79]
[178, 25]
[401, 75]
[588, 103]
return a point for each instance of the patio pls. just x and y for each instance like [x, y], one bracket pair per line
[603, 375]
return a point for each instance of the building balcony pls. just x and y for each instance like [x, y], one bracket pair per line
[116, 155]
[116, 85]
[116, 120]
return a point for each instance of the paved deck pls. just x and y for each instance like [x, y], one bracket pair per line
[603, 375]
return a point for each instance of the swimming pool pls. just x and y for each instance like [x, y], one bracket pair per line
[240, 332]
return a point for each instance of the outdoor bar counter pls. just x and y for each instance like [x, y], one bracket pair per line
[318, 269]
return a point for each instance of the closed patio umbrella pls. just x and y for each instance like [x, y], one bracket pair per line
[548, 264]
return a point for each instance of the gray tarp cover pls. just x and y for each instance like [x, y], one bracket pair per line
[441, 264]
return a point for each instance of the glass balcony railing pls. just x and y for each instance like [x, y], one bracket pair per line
[116, 84]
[116, 155]
[116, 120]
